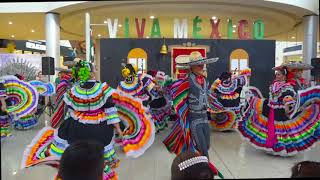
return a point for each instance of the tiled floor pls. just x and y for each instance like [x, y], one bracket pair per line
[232, 156]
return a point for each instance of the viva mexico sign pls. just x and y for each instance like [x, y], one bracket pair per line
[180, 28]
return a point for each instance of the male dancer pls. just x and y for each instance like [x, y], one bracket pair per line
[190, 100]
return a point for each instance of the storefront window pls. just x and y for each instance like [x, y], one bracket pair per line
[138, 58]
[239, 60]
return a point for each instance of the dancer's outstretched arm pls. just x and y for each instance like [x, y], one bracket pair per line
[118, 129]
[3, 104]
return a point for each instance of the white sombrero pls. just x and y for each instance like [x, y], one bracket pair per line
[71, 63]
[195, 58]
[294, 65]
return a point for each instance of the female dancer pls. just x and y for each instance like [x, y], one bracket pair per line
[286, 123]
[18, 99]
[94, 112]
[225, 100]
[160, 106]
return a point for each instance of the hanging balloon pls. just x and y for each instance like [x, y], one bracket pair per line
[241, 29]
[196, 27]
[258, 29]
[229, 28]
[11, 47]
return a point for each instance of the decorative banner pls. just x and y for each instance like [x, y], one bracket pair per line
[155, 30]
[113, 29]
[140, 29]
[126, 27]
[229, 28]
[258, 29]
[196, 27]
[215, 31]
[180, 30]
[241, 31]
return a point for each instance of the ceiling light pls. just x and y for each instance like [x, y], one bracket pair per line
[105, 22]
[12, 36]
[10, 22]
[32, 30]
[234, 26]
[151, 17]
[214, 17]
[120, 25]
[293, 37]
[99, 35]
[234, 31]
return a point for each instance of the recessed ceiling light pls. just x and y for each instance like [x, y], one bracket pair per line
[213, 17]
[99, 35]
[32, 30]
[120, 25]
[234, 26]
[12, 36]
[293, 37]
[10, 22]
[151, 17]
[105, 22]
[234, 31]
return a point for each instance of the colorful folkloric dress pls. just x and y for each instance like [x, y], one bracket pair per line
[21, 99]
[225, 104]
[93, 108]
[142, 87]
[31, 120]
[60, 106]
[284, 124]
[160, 106]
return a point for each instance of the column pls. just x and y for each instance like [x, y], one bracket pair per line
[53, 37]
[309, 50]
[87, 30]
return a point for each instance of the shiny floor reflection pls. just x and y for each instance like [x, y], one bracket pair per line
[232, 156]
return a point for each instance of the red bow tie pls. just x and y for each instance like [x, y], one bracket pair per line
[200, 80]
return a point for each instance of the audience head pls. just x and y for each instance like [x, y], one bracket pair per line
[82, 160]
[306, 169]
[191, 165]
[225, 77]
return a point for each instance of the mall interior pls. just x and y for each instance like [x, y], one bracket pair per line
[39, 37]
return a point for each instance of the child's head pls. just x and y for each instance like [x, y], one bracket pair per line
[82, 160]
[190, 165]
[306, 169]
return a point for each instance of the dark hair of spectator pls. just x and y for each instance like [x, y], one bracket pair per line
[195, 172]
[306, 169]
[82, 160]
